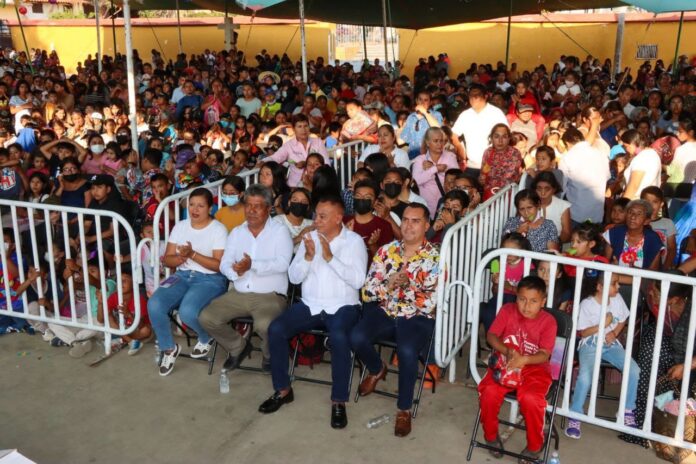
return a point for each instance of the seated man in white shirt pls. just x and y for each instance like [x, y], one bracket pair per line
[256, 259]
[331, 264]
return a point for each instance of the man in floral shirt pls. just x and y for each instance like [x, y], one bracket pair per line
[400, 298]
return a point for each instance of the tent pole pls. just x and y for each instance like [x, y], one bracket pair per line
[178, 28]
[97, 13]
[228, 41]
[507, 43]
[303, 40]
[24, 38]
[364, 36]
[676, 50]
[618, 47]
[130, 72]
[113, 24]
[386, 44]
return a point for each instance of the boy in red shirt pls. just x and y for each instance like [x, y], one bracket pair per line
[526, 335]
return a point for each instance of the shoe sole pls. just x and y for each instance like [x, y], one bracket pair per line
[571, 436]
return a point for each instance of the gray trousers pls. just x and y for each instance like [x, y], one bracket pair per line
[263, 307]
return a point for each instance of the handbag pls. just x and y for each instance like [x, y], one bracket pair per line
[665, 423]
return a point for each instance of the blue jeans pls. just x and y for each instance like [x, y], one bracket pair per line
[298, 319]
[190, 293]
[411, 336]
[614, 355]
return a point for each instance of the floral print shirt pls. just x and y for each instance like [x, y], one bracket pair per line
[499, 168]
[418, 297]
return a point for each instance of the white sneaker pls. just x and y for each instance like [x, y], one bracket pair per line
[79, 349]
[201, 350]
[48, 335]
[167, 362]
[134, 346]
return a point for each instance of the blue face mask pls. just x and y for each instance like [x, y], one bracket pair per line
[230, 200]
[224, 124]
[437, 106]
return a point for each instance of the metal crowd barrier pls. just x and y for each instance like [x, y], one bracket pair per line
[664, 281]
[345, 159]
[175, 205]
[462, 248]
[47, 222]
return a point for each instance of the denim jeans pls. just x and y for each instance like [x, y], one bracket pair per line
[297, 319]
[190, 293]
[411, 336]
[614, 355]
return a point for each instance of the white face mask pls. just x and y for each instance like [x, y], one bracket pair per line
[47, 257]
[97, 149]
[569, 84]
[7, 246]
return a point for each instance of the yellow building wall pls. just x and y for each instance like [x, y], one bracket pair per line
[530, 44]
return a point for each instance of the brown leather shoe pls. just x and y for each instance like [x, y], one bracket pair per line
[368, 385]
[402, 425]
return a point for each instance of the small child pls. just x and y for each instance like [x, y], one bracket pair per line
[41, 297]
[514, 270]
[9, 279]
[347, 194]
[38, 164]
[612, 351]
[562, 293]
[586, 243]
[617, 217]
[525, 334]
[127, 310]
[145, 257]
[663, 226]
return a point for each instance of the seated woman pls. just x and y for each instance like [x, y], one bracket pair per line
[672, 351]
[194, 248]
[231, 213]
[456, 202]
[554, 209]
[635, 244]
[297, 218]
[502, 163]
[386, 144]
[273, 176]
[541, 233]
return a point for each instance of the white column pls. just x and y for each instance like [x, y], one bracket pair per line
[618, 48]
[386, 44]
[303, 40]
[99, 50]
[178, 28]
[130, 72]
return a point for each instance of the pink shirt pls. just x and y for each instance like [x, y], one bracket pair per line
[425, 178]
[294, 152]
[93, 165]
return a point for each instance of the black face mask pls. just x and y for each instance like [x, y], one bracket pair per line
[298, 209]
[70, 177]
[122, 139]
[392, 190]
[362, 205]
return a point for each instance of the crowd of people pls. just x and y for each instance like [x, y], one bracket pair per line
[602, 162]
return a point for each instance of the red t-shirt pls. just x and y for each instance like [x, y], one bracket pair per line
[112, 304]
[531, 335]
[571, 271]
[386, 235]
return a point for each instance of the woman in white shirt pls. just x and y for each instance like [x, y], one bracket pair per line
[553, 208]
[195, 248]
[645, 165]
[683, 167]
[386, 144]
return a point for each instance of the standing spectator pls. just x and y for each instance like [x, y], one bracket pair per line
[248, 104]
[502, 163]
[418, 122]
[430, 167]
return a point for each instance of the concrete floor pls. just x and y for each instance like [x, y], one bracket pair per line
[56, 410]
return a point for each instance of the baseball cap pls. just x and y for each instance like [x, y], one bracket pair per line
[102, 179]
[522, 107]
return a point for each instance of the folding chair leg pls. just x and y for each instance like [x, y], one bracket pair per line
[211, 360]
[472, 443]
[416, 401]
[291, 371]
[363, 371]
[350, 376]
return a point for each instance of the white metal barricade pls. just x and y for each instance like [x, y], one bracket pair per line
[462, 247]
[174, 205]
[481, 292]
[345, 159]
[36, 228]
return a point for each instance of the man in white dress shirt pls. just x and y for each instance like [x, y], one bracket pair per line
[256, 259]
[331, 265]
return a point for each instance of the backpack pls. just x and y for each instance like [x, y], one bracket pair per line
[311, 349]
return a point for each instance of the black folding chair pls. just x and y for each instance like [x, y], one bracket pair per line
[241, 320]
[564, 329]
[423, 375]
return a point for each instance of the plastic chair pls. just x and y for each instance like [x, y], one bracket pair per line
[563, 331]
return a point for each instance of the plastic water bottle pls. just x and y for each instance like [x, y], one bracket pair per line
[224, 382]
[555, 459]
[378, 421]
[158, 354]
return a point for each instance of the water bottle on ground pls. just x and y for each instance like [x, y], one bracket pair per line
[554, 459]
[224, 382]
[378, 421]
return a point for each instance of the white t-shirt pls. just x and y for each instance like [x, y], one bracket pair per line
[647, 161]
[203, 241]
[685, 161]
[476, 127]
[555, 210]
[590, 311]
[247, 108]
[401, 159]
[585, 175]
[574, 90]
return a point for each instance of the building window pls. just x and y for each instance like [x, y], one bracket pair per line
[37, 8]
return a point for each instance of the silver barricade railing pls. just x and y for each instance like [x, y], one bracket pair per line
[35, 229]
[345, 159]
[174, 205]
[664, 281]
[462, 247]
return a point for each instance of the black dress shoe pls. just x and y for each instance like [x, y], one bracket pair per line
[265, 366]
[274, 403]
[233, 362]
[339, 419]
